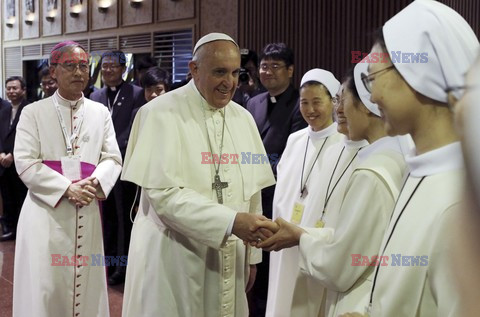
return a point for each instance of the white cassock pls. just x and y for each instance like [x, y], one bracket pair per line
[181, 261]
[337, 166]
[284, 264]
[358, 228]
[50, 226]
[419, 278]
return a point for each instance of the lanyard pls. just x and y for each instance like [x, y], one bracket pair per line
[303, 186]
[68, 139]
[110, 107]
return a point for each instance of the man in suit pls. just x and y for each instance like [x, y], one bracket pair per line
[12, 188]
[277, 115]
[123, 100]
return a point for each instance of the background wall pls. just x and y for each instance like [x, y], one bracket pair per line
[323, 33]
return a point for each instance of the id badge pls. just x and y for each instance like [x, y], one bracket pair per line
[71, 167]
[297, 213]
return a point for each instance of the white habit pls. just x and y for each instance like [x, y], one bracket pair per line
[284, 264]
[49, 225]
[181, 261]
[337, 166]
[358, 228]
[419, 278]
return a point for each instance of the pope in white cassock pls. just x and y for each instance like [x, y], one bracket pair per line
[187, 257]
[420, 240]
[296, 197]
[67, 155]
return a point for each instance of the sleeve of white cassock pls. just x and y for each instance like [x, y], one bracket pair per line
[363, 219]
[43, 182]
[191, 214]
[255, 208]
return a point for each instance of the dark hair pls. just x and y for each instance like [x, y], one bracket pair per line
[145, 63]
[278, 51]
[350, 84]
[248, 55]
[154, 76]
[379, 39]
[23, 84]
[117, 56]
[44, 71]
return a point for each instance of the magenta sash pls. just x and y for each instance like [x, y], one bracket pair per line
[86, 168]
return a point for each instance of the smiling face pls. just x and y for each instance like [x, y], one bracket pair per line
[275, 75]
[71, 83]
[215, 71]
[316, 106]
[357, 116]
[397, 101]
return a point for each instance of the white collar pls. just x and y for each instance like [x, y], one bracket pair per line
[328, 131]
[382, 144]
[352, 145]
[444, 159]
[65, 102]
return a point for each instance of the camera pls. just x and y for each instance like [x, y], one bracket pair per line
[243, 77]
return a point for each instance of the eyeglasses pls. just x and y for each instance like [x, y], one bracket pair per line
[272, 67]
[336, 100]
[111, 66]
[71, 67]
[367, 79]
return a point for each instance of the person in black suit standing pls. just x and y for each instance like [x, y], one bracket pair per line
[123, 101]
[12, 188]
[277, 115]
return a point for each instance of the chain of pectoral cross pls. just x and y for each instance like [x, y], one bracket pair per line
[217, 184]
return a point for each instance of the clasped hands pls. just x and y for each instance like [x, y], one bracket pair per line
[83, 192]
[261, 232]
[6, 160]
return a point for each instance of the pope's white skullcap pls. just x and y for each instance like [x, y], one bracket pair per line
[323, 77]
[212, 37]
[363, 93]
[445, 39]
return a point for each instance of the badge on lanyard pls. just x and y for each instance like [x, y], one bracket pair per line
[297, 213]
[71, 167]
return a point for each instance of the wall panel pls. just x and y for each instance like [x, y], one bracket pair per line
[323, 33]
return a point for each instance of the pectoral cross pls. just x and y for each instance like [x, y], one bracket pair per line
[218, 185]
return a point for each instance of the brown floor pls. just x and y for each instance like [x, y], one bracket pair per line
[115, 293]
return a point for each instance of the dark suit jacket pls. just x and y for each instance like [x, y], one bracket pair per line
[129, 99]
[284, 119]
[7, 131]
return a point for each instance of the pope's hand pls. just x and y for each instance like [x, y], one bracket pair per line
[245, 227]
[287, 236]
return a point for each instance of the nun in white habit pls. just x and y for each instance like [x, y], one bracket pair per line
[419, 279]
[296, 198]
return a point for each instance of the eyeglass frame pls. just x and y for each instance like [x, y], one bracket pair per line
[71, 67]
[271, 67]
[110, 66]
[367, 80]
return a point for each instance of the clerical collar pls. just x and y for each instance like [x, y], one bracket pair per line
[275, 99]
[349, 144]
[444, 159]
[382, 144]
[65, 102]
[328, 131]
[115, 88]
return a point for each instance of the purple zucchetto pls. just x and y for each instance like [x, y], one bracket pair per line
[56, 52]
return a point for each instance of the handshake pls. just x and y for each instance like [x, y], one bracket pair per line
[83, 192]
[261, 232]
